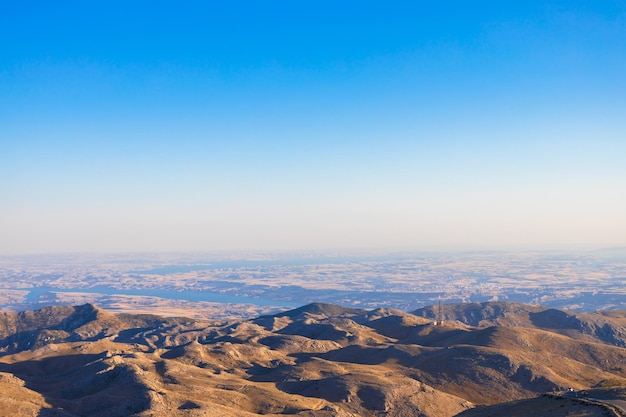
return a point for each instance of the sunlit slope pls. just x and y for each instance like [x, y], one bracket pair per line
[317, 360]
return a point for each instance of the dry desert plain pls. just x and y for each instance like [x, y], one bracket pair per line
[246, 285]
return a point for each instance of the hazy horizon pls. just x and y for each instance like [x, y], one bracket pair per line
[287, 126]
[326, 252]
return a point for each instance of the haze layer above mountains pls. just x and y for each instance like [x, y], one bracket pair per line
[316, 360]
[247, 285]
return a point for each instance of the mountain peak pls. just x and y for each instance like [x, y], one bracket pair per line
[319, 360]
[321, 309]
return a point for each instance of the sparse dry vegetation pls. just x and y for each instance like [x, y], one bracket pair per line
[317, 360]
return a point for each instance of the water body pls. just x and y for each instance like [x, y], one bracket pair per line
[236, 264]
[36, 293]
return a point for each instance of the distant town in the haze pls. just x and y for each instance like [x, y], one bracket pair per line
[227, 285]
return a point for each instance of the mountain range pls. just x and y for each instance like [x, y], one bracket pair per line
[471, 359]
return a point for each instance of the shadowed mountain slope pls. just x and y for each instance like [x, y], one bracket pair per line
[542, 406]
[316, 360]
[606, 326]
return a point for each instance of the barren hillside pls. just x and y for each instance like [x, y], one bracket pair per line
[317, 360]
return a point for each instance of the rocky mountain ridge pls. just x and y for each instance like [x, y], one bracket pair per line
[316, 360]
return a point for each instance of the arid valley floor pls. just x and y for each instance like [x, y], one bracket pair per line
[246, 285]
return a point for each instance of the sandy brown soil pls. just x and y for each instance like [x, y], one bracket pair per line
[317, 360]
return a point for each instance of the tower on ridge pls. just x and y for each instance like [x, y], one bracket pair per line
[440, 312]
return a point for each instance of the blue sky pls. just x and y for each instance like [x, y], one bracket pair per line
[148, 126]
